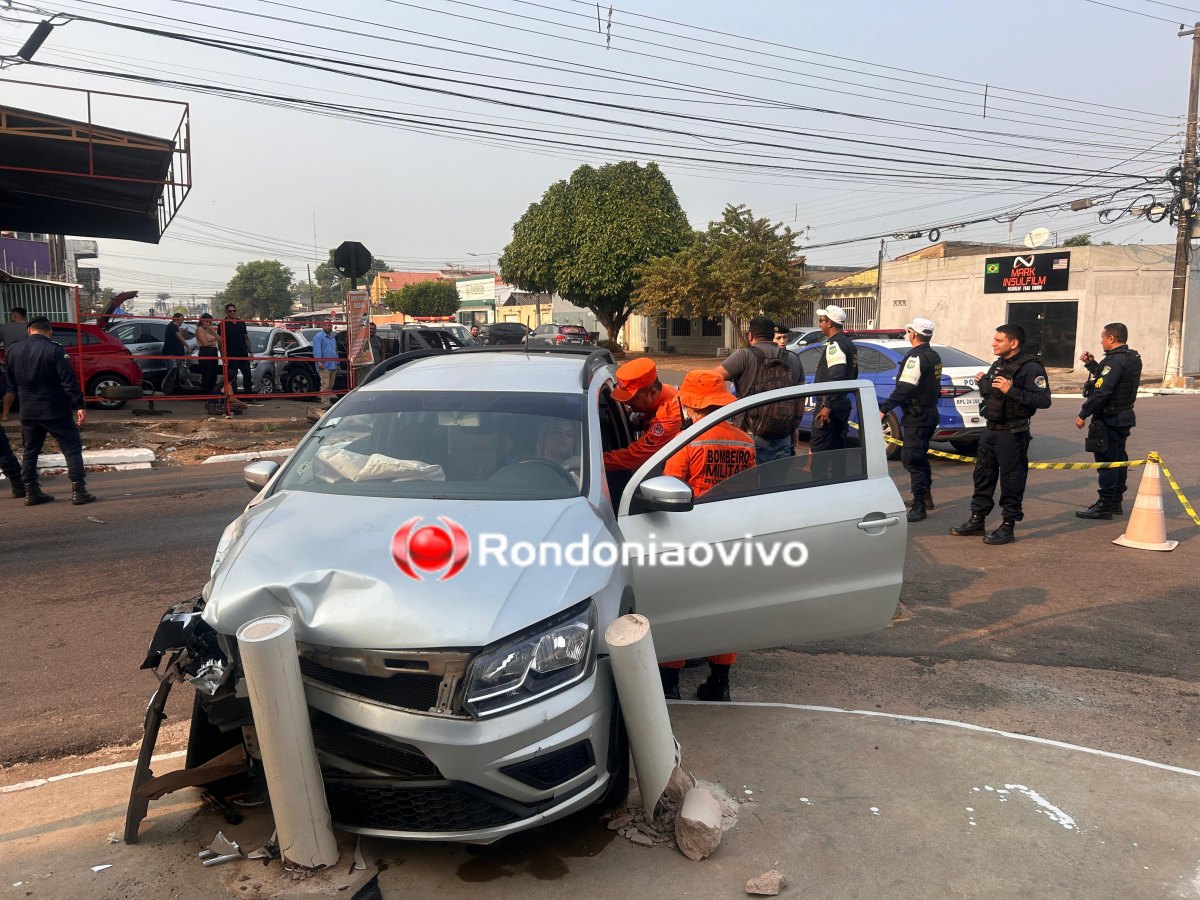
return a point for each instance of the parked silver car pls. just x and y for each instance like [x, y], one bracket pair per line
[451, 609]
[143, 336]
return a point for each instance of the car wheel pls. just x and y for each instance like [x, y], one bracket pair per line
[102, 381]
[966, 446]
[266, 384]
[891, 428]
[301, 382]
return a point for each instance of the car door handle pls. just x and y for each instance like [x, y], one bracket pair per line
[868, 524]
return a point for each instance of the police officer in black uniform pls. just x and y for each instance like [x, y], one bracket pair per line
[1013, 389]
[40, 374]
[1109, 396]
[918, 387]
[839, 362]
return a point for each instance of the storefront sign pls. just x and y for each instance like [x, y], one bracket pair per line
[1029, 273]
[358, 320]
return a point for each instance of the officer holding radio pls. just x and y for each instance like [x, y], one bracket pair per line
[1109, 396]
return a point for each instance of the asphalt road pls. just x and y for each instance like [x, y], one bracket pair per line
[1064, 632]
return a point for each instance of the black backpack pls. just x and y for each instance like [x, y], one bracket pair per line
[772, 419]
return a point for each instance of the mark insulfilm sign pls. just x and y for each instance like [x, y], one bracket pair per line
[1033, 272]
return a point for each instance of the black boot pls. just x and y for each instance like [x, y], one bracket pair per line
[1101, 509]
[970, 528]
[917, 511]
[928, 498]
[717, 685]
[1003, 534]
[18, 487]
[79, 494]
[670, 682]
[34, 495]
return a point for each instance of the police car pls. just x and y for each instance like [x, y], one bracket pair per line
[960, 423]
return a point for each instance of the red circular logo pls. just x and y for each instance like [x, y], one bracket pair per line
[431, 548]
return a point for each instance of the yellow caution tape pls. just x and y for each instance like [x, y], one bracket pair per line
[1187, 507]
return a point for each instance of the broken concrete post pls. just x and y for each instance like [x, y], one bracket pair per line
[768, 884]
[679, 784]
[639, 688]
[268, 651]
[698, 828]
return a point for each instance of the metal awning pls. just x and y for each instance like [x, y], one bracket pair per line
[62, 176]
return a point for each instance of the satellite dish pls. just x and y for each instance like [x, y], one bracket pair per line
[1037, 237]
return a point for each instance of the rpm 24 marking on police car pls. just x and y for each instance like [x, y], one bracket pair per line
[447, 549]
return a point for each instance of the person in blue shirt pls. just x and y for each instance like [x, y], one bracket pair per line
[325, 355]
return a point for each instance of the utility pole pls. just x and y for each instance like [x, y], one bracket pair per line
[311, 296]
[1173, 369]
[879, 280]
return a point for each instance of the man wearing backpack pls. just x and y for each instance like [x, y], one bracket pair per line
[765, 366]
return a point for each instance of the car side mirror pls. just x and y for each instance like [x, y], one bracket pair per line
[664, 493]
[258, 473]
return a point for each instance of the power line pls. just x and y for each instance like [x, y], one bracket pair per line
[1132, 12]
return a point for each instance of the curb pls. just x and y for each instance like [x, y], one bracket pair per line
[282, 453]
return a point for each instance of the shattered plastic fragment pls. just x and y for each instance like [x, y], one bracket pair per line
[102, 868]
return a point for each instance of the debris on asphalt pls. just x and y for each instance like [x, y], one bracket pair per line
[97, 521]
[679, 784]
[114, 837]
[221, 850]
[102, 868]
[768, 884]
[698, 828]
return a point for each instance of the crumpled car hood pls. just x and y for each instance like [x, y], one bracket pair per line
[327, 562]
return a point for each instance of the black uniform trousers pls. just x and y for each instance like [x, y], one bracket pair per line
[1002, 456]
[825, 442]
[8, 460]
[916, 431]
[1113, 481]
[208, 369]
[64, 430]
[240, 365]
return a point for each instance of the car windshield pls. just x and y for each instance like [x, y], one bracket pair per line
[454, 445]
[952, 357]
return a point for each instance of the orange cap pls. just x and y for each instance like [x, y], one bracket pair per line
[703, 388]
[633, 376]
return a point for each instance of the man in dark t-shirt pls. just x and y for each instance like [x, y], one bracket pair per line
[237, 344]
[173, 342]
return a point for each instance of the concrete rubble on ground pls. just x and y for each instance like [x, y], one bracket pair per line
[698, 829]
[635, 826]
[768, 884]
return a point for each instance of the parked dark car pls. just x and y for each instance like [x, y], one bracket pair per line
[503, 332]
[553, 333]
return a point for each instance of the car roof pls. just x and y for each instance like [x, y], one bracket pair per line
[509, 372]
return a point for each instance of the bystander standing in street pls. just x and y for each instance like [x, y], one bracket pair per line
[766, 366]
[15, 329]
[918, 387]
[237, 352]
[1109, 396]
[325, 355]
[207, 342]
[1013, 389]
[174, 345]
[40, 375]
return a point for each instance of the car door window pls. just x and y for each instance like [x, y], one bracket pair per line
[869, 359]
[809, 358]
[154, 332]
[129, 333]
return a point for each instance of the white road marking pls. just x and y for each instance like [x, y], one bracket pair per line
[95, 770]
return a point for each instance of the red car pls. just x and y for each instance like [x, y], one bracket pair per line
[106, 361]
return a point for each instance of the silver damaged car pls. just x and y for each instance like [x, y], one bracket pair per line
[450, 550]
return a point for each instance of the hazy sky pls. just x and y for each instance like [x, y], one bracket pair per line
[816, 114]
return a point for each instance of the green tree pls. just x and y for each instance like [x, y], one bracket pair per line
[425, 298]
[587, 237]
[330, 287]
[1079, 240]
[739, 267]
[261, 289]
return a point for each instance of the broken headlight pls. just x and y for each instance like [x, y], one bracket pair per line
[548, 657]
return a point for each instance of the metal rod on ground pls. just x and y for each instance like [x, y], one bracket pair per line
[639, 688]
[268, 651]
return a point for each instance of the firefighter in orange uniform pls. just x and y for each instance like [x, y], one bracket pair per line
[719, 453]
[638, 388]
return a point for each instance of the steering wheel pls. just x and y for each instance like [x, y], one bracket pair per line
[560, 471]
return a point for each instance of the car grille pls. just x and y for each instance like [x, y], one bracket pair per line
[392, 806]
[338, 738]
[404, 689]
[553, 769]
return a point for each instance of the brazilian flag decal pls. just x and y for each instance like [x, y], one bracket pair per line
[993, 268]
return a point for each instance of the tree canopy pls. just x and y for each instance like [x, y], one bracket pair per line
[425, 298]
[1079, 240]
[738, 267]
[260, 288]
[587, 237]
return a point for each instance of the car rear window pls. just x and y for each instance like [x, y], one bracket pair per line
[953, 357]
[573, 329]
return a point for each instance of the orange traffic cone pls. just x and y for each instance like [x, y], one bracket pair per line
[1147, 529]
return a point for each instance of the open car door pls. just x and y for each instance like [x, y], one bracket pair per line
[800, 549]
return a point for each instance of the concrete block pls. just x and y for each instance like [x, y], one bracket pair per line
[698, 828]
[768, 884]
[678, 785]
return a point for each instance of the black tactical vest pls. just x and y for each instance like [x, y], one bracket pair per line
[848, 348]
[929, 388]
[998, 407]
[1126, 391]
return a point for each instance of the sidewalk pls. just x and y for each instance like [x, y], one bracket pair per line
[843, 803]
